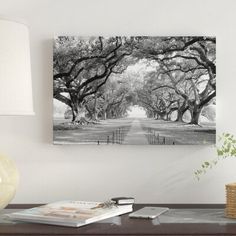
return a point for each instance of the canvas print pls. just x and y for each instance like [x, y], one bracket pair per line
[134, 90]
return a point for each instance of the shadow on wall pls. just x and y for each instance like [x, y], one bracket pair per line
[46, 101]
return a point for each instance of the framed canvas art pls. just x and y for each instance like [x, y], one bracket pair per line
[134, 90]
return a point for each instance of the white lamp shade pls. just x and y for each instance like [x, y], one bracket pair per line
[15, 69]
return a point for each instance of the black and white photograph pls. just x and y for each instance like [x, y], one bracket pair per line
[139, 90]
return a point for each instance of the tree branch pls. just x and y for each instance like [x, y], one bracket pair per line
[63, 99]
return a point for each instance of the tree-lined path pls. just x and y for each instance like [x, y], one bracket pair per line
[136, 134]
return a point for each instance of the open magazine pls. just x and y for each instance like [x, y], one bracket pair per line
[70, 213]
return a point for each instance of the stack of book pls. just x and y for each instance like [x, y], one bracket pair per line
[123, 200]
[74, 213]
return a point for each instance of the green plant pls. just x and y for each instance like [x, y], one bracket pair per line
[226, 149]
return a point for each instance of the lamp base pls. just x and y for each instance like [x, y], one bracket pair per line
[9, 179]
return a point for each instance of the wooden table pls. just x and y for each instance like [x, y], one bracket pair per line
[126, 227]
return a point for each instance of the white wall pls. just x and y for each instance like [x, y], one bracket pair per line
[161, 174]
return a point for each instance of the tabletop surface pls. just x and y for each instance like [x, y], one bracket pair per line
[188, 221]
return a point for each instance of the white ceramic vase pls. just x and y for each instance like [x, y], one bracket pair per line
[9, 179]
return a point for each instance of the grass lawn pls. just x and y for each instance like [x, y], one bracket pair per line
[106, 131]
[180, 133]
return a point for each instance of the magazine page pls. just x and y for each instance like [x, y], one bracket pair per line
[78, 212]
[67, 210]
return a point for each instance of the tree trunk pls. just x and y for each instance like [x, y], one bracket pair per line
[165, 117]
[181, 110]
[90, 113]
[74, 111]
[168, 115]
[95, 112]
[155, 115]
[78, 115]
[104, 115]
[195, 115]
[162, 115]
[180, 115]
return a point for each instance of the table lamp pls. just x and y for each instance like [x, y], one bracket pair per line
[15, 92]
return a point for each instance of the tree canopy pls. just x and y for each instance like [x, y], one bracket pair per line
[102, 77]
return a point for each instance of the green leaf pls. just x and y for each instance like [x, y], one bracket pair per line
[206, 163]
[220, 153]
